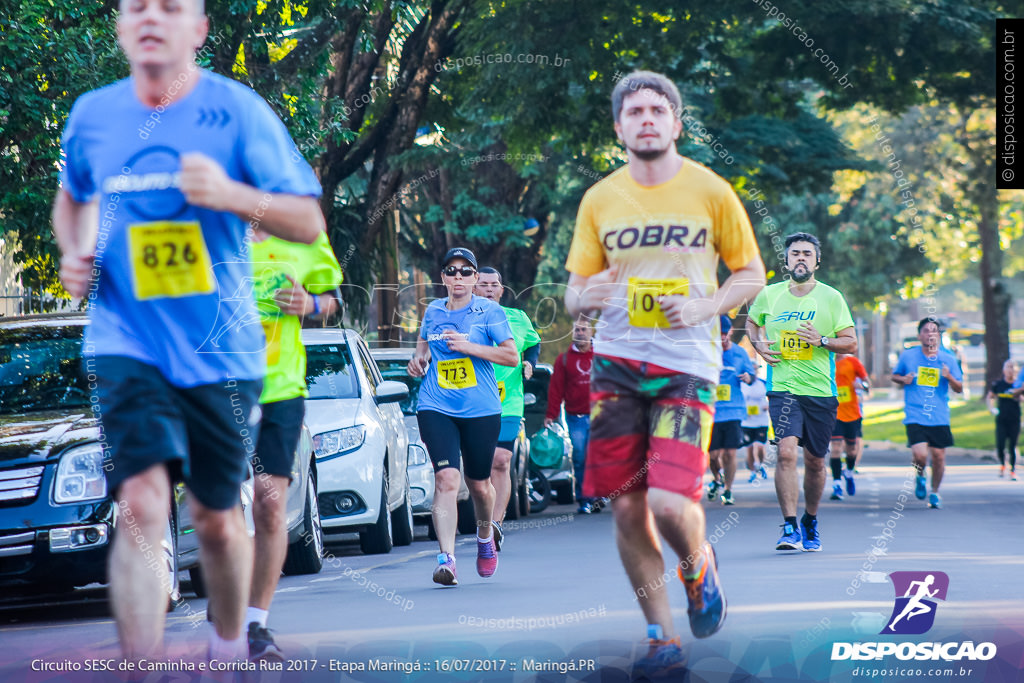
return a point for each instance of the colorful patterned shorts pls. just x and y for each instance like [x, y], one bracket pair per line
[649, 428]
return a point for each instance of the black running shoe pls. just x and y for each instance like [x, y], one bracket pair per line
[499, 535]
[262, 645]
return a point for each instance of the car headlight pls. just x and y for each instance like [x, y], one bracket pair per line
[80, 475]
[417, 455]
[338, 441]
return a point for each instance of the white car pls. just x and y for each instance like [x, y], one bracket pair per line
[359, 442]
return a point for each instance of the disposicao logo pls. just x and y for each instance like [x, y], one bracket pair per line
[916, 592]
[914, 614]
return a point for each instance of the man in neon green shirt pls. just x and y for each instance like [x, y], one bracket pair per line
[510, 389]
[797, 326]
[291, 281]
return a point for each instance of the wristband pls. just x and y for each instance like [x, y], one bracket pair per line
[316, 304]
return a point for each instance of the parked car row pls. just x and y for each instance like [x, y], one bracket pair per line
[56, 514]
[360, 466]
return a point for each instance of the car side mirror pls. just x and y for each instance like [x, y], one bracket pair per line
[390, 391]
[529, 398]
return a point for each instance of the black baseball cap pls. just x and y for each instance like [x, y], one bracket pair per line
[460, 252]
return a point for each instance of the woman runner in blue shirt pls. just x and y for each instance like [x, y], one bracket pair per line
[459, 411]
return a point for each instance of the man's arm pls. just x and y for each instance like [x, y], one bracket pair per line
[845, 341]
[556, 391]
[742, 285]
[898, 376]
[73, 228]
[760, 342]
[955, 384]
[291, 217]
[588, 295]
[530, 358]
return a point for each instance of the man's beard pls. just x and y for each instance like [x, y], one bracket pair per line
[648, 154]
[802, 276]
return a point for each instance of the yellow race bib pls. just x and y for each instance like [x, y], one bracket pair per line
[793, 347]
[642, 299]
[169, 259]
[845, 395]
[723, 392]
[457, 373]
[501, 391]
[753, 410]
[927, 377]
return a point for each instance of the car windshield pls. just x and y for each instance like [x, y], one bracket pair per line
[329, 371]
[394, 369]
[41, 369]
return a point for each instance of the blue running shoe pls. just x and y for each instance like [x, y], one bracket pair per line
[837, 491]
[812, 541]
[790, 539]
[704, 595]
[851, 488]
[753, 478]
[934, 501]
[921, 489]
[664, 660]
[764, 472]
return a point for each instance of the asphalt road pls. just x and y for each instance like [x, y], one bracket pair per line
[560, 596]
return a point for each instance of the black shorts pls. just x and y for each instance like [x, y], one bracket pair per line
[936, 437]
[727, 434]
[448, 438]
[809, 418]
[203, 434]
[280, 430]
[753, 435]
[851, 431]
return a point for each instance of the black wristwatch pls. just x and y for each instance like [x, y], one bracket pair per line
[824, 342]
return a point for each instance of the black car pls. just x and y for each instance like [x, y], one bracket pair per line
[56, 514]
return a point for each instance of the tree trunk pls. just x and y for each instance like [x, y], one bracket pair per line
[995, 295]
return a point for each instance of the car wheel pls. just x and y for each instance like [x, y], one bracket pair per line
[377, 540]
[169, 548]
[195, 576]
[401, 521]
[467, 516]
[540, 497]
[306, 554]
[564, 495]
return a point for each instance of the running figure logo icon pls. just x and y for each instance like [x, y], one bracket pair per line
[914, 611]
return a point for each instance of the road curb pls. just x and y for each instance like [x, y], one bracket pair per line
[977, 453]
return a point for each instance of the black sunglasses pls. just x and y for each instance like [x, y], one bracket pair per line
[465, 271]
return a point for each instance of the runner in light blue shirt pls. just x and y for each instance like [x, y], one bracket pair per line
[927, 373]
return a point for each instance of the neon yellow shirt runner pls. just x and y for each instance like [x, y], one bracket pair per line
[805, 369]
[510, 380]
[313, 266]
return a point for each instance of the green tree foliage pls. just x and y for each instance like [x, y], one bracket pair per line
[49, 54]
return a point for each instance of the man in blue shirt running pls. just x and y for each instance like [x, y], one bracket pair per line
[730, 409]
[927, 373]
[174, 161]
